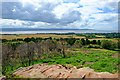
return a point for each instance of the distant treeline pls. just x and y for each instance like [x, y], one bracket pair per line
[69, 41]
[106, 35]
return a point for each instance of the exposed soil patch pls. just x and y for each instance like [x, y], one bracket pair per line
[115, 55]
[87, 63]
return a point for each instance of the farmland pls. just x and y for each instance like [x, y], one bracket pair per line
[23, 36]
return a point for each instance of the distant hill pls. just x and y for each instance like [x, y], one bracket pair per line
[36, 29]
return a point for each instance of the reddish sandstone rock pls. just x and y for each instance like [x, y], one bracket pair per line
[59, 71]
[2, 77]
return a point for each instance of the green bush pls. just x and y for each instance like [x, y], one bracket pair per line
[78, 44]
[108, 44]
[93, 46]
[118, 43]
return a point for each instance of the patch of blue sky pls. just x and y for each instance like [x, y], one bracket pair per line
[92, 18]
[80, 6]
[106, 10]
[71, 1]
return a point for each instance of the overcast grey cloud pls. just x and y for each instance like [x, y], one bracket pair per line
[70, 17]
[15, 10]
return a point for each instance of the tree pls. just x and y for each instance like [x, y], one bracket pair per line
[83, 41]
[21, 52]
[99, 42]
[27, 40]
[118, 43]
[6, 55]
[93, 42]
[87, 42]
[4, 40]
[33, 39]
[108, 44]
[78, 44]
[30, 52]
[20, 39]
[48, 45]
[39, 49]
[71, 41]
[114, 45]
[62, 45]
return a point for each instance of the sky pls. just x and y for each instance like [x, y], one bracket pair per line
[65, 14]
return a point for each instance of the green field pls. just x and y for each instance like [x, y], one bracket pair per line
[99, 60]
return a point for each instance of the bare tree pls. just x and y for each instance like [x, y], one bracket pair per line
[62, 45]
[30, 53]
[21, 53]
[6, 50]
[39, 50]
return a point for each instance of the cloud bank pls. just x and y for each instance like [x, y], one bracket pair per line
[80, 14]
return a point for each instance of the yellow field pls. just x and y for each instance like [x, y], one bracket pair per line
[99, 36]
[9, 37]
[23, 36]
[114, 40]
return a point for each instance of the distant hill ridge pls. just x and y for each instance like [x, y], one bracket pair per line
[36, 29]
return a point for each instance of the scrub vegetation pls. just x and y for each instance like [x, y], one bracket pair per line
[100, 55]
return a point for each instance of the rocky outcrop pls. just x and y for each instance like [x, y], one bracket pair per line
[59, 71]
[2, 77]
